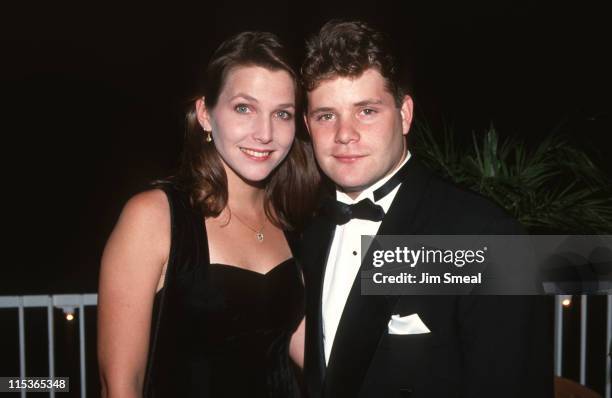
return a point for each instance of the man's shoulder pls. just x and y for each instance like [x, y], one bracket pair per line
[455, 197]
[316, 225]
[455, 209]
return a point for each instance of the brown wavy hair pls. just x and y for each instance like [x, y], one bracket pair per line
[347, 49]
[291, 189]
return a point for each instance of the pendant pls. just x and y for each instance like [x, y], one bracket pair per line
[259, 236]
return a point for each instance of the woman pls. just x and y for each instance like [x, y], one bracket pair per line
[199, 294]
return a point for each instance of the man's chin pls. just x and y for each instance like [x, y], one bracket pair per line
[349, 179]
[352, 188]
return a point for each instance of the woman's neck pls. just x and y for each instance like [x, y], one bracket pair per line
[243, 195]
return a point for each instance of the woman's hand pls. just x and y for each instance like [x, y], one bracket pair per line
[296, 345]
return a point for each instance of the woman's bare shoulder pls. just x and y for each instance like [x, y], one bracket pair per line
[144, 224]
[148, 206]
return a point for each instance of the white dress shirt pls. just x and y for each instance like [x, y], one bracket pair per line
[345, 259]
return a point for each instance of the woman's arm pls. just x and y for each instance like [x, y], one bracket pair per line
[296, 345]
[131, 270]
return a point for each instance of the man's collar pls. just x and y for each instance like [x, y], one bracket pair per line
[369, 191]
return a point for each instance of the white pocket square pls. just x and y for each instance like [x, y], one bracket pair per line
[410, 324]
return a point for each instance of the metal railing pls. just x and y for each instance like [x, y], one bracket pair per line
[69, 302]
[564, 301]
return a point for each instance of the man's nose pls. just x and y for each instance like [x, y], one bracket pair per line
[346, 131]
[264, 131]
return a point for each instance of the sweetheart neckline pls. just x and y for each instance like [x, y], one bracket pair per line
[279, 265]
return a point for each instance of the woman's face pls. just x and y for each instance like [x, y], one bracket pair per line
[253, 122]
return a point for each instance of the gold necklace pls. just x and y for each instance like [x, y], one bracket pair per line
[258, 232]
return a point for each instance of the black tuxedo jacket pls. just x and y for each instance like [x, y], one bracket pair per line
[479, 346]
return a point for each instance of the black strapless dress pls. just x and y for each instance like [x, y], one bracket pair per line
[219, 330]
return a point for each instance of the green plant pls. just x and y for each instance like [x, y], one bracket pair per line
[552, 188]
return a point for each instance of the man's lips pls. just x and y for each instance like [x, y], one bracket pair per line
[348, 158]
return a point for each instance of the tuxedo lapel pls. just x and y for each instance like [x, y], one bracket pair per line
[365, 318]
[317, 243]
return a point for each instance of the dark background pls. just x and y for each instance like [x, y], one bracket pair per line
[92, 100]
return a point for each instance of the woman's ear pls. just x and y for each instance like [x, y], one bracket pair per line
[203, 115]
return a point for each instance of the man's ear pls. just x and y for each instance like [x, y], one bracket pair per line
[203, 115]
[406, 111]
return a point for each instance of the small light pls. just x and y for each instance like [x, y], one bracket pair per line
[69, 312]
[566, 302]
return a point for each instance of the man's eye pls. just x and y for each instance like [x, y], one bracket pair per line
[368, 111]
[284, 115]
[325, 117]
[242, 108]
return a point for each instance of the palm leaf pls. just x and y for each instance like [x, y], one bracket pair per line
[552, 187]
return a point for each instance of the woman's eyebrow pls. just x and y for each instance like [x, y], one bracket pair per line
[245, 96]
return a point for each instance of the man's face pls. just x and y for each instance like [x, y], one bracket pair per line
[357, 129]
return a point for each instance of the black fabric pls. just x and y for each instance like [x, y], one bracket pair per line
[391, 183]
[479, 346]
[219, 330]
[365, 209]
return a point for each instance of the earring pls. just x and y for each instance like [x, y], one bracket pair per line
[208, 136]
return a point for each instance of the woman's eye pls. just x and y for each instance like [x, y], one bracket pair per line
[241, 108]
[284, 115]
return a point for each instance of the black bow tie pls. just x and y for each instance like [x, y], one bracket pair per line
[341, 213]
[365, 209]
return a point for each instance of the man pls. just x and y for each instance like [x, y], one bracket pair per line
[458, 346]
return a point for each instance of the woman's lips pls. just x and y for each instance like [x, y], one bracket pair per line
[256, 154]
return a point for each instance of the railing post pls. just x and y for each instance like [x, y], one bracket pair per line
[583, 338]
[82, 347]
[22, 357]
[558, 334]
[609, 348]
[51, 341]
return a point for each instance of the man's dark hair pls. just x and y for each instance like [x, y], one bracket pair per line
[347, 49]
